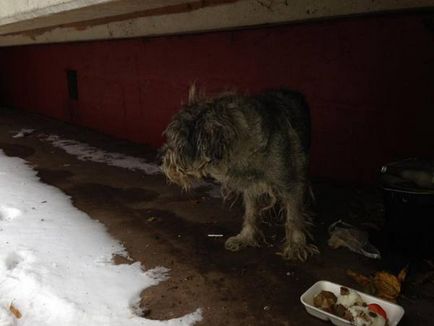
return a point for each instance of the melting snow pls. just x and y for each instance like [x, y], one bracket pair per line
[86, 152]
[55, 261]
[22, 133]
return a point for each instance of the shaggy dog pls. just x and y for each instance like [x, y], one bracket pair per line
[256, 146]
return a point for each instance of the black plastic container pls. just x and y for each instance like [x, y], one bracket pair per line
[408, 188]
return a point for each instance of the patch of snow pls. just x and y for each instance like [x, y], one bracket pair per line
[6, 317]
[85, 152]
[8, 213]
[56, 263]
[23, 132]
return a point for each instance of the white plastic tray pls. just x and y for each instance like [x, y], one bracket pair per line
[394, 311]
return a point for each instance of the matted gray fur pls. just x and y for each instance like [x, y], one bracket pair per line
[256, 146]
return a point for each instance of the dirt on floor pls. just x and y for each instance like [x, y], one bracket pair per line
[162, 226]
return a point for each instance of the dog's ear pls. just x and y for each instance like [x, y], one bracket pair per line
[178, 134]
[215, 138]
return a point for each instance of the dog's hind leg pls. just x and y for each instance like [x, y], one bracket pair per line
[250, 235]
[296, 226]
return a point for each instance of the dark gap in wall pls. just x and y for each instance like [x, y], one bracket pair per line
[72, 80]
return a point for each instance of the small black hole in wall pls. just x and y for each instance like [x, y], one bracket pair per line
[71, 77]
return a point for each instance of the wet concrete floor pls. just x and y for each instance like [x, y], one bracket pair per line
[162, 226]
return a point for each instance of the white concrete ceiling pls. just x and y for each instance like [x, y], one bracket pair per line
[22, 10]
[46, 21]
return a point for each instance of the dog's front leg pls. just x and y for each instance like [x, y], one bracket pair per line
[250, 235]
[296, 227]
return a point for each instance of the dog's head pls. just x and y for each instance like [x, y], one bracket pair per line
[198, 136]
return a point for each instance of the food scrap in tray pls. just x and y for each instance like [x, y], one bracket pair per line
[350, 306]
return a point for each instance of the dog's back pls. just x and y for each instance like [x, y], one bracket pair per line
[283, 108]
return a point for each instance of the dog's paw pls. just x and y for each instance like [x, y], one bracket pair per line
[239, 242]
[298, 252]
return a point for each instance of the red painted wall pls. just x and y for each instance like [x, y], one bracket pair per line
[369, 82]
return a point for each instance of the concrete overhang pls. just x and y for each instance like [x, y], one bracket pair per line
[50, 21]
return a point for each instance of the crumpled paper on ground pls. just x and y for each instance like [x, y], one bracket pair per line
[382, 284]
[345, 235]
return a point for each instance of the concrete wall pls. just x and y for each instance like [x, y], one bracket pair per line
[369, 82]
[49, 21]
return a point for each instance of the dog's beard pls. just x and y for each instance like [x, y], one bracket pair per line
[178, 171]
